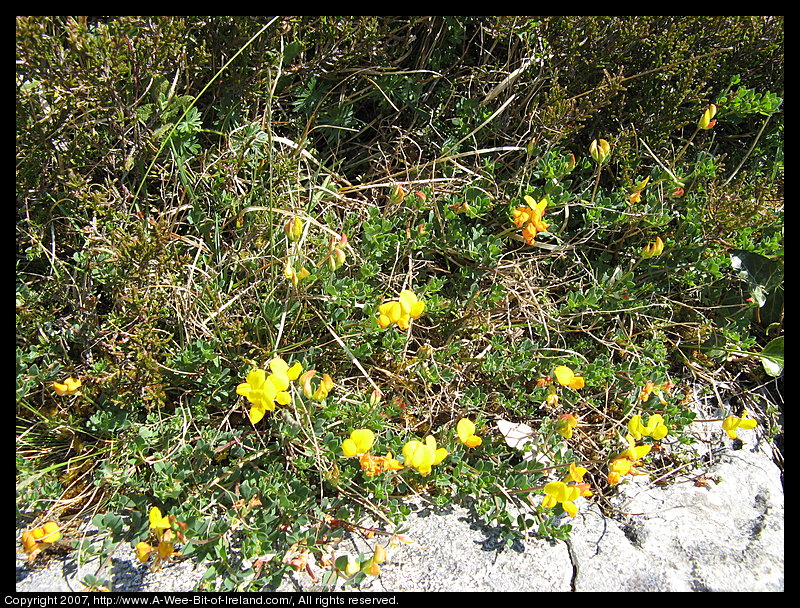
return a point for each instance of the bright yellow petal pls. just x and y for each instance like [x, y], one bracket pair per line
[577, 383]
[465, 428]
[473, 441]
[143, 551]
[278, 366]
[363, 439]
[349, 448]
[660, 432]
[564, 375]
[157, 521]
[407, 300]
[256, 378]
[52, 533]
[295, 371]
[257, 412]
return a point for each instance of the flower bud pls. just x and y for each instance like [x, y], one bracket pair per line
[396, 194]
[653, 249]
[336, 258]
[707, 119]
[352, 567]
[600, 149]
[294, 228]
[380, 554]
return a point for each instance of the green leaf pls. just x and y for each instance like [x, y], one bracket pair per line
[762, 274]
[772, 357]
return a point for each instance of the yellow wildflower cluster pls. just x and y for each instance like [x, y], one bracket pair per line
[565, 492]
[418, 455]
[654, 428]
[359, 444]
[530, 218]
[162, 527]
[263, 390]
[624, 463]
[34, 541]
[400, 311]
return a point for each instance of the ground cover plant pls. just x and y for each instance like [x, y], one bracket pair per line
[276, 275]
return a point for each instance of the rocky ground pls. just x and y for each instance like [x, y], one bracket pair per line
[726, 535]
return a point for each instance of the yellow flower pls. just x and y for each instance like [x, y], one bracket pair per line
[69, 387]
[400, 311]
[521, 216]
[259, 391]
[51, 533]
[389, 313]
[576, 473]
[359, 443]
[624, 463]
[157, 521]
[410, 304]
[29, 543]
[390, 463]
[706, 120]
[37, 539]
[559, 492]
[143, 551]
[635, 194]
[566, 424]
[530, 218]
[600, 149]
[655, 427]
[466, 433]
[165, 550]
[263, 391]
[566, 377]
[422, 456]
[375, 465]
[325, 385]
[619, 466]
[634, 452]
[731, 423]
[537, 211]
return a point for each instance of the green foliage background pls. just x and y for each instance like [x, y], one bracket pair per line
[158, 160]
